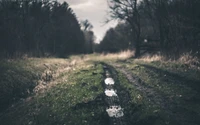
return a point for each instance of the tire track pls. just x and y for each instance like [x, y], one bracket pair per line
[151, 94]
[114, 110]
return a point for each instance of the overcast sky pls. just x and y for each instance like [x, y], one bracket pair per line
[93, 10]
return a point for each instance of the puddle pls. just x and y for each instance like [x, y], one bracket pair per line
[115, 111]
[110, 92]
[109, 81]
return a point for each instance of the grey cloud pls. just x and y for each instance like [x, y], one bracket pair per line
[95, 12]
[75, 2]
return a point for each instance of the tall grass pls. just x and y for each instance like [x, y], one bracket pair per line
[26, 77]
[187, 58]
[110, 56]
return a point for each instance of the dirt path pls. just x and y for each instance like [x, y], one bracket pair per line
[114, 110]
[169, 108]
[149, 93]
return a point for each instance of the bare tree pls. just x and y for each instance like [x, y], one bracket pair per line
[127, 10]
[86, 25]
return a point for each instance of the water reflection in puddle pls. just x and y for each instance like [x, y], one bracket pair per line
[110, 92]
[109, 81]
[115, 111]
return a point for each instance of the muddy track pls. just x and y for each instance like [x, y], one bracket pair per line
[112, 101]
[153, 96]
[148, 92]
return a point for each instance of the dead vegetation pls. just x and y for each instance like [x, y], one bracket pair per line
[186, 59]
[62, 83]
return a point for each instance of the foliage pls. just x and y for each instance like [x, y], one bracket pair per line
[128, 10]
[89, 36]
[38, 29]
[117, 39]
[171, 27]
[86, 25]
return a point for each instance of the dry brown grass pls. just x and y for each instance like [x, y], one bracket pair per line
[151, 58]
[189, 59]
[58, 69]
[110, 56]
[121, 55]
[186, 58]
[55, 70]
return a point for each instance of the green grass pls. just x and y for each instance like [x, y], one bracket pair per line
[170, 93]
[177, 84]
[16, 82]
[137, 109]
[76, 101]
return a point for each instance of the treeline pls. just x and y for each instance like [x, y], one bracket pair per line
[39, 29]
[116, 39]
[171, 27]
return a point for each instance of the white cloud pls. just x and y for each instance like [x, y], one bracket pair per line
[74, 2]
[82, 5]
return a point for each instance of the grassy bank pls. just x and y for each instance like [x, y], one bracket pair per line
[74, 96]
[161, 91]
[22, 78]
[69, 91]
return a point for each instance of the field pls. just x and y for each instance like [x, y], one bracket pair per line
[51, 91]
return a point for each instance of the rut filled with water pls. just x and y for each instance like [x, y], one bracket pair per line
[113, 109]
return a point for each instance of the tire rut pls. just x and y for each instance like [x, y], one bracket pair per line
[148, 92]
[114, 109]
[170, 109]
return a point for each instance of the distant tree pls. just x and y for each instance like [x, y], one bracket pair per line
[117, 39]
[89, 41]
[177, 23]
[39, 27]
[127, 10]
[171, 25]
[86, 25]
[67, 36]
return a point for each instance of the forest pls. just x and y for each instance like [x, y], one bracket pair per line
[39, 29]
[50, 28]
[144, 71]
[171, 27]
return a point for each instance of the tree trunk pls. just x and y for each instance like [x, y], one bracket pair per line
[137, 47]
[161, 36]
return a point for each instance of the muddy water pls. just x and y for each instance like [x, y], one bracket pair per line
[114, 110]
